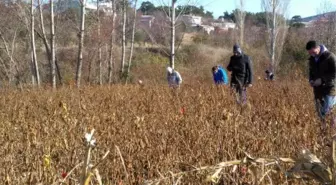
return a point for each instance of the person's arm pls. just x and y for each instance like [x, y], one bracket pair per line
[225, 76]
[311, 75]
[229, 67]
[328, 78]
[249, 71]
[178, 78]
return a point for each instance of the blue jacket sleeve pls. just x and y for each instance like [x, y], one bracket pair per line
[225, 77]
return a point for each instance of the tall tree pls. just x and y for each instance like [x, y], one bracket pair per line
[325, 25]
[52, 42]
[100, 62]
[147, 8]
[170, 11]
[32, 32]
[49, 43]
[123, 54]
[80, 43]
[172, 43]
[111, 56]
[240, 19]
[275, 12]
[132, 41]
[296, 22]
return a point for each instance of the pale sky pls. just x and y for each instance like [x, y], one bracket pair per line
[304, 8]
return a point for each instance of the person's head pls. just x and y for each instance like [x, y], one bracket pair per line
[313, 48]
[214, 69]
[169, 70]
[236, 50]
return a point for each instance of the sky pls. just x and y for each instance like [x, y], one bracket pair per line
[304, 8]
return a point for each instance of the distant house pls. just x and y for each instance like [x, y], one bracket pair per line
[224, 25]
[63, 5]
[221, 26]
[191, 20]
[147, 20]
[207, 29]
[106, 7]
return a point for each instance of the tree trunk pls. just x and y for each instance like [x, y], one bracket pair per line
[240, 19]
[111, 61]
[99, 48]
[273, 36]
[12, 63]
[172, 44]
[123, 55]
[80, 44]
[36, 70]
[132, 42]
[275, 11]
[52, 41]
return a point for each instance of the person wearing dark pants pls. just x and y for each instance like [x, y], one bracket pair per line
[241, 73]
[322, 78]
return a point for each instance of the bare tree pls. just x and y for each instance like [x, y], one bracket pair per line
[132, 41]
[25, 19]
[99, 46]
[50, 48]
[32, 32]
[52, 41]
[111, 57]
[9, 50]
[172, 44]
[81, 43]
[123, 54]
[326, 25]
[275, 12]
[240, 19]
[173, 24]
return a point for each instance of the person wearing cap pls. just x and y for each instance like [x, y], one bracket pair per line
[174, 78]
[219, 75]
[322, 78]
[241, 73]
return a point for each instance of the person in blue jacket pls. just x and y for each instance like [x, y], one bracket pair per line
[219, 75]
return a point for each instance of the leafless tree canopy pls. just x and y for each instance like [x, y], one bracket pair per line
[275, 12]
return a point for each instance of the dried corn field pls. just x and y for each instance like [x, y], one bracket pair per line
[159, 132]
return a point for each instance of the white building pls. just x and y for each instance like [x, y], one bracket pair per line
[147, 20]
[64, 5]
[224, 25]
[191, 20]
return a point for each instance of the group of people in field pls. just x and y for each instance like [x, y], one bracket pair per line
[322, 77]
[241, 74]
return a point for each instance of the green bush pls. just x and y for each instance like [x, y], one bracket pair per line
[200, 38]
[146, 57]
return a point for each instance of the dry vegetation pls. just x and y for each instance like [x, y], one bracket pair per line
[157, 130]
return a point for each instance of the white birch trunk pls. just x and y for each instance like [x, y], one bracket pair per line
[123, 49]
[32, 26]
[80, 44]
[132, 41]
[111, 57]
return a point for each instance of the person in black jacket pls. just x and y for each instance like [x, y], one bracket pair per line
[322, 77]
[241, 73]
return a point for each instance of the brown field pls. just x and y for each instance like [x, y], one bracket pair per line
[157, 130]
